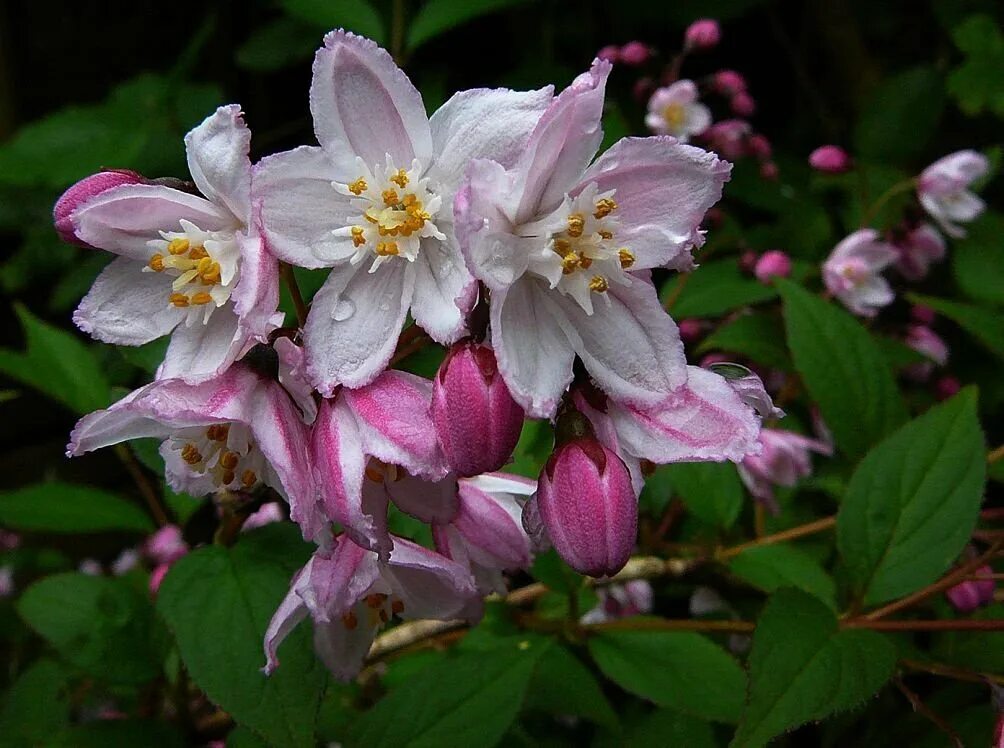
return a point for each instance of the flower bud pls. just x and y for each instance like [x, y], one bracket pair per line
[743, 105]
[971, 594]
[610, 53]
[703, 33]
[477, 421]
[772, 264]
[830, 159]
[588, 506]
[759, 146]
[729, 82]
[157, 576]
[166, 545]
[83, 191]
[690, 330]
[635, 53]
[946, 387]
[922, 314]
[769, 171]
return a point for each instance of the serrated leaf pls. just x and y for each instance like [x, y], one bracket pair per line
[712, 491]
[912, 503]
[978, 260]
[986, 325]
[353, 15]
[771, 567]
[803, 668]
[916, 96]
[468, 699]
[62, 507]
[561, 684]
[758, 337]
[843, 369]
[439, 16]
[677, 669]
[218, 602]
[714, 288]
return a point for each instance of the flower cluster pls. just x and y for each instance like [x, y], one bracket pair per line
[495, 227]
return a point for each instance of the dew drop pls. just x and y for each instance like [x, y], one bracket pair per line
[344, 309]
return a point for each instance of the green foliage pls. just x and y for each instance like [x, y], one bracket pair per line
[912, 502]
[986, 325]
[61, 507]
[978, 83]
[843, 369]
[802, 668]
[758, 337]
[439, 16]
[354, 15]
[717, 287]
[37, 704]
[561, 684]
[978, 260]
[218, 602]
[278, 45]
[771, 567]
[916, 96]
[711, 490]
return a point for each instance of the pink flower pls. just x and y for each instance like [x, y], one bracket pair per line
[166, 545]
[750, 389]
[830, 159]
[234, 432]
[635, 53]
[946, 387]
[610, 53]
[83, 191]
[676, 110]
[918, 248]
[729, 138]
[772, 264]
[157, 577]
[729, 83]
[268, 513]
[922, 314]
[702, 34]
[783, 461]
[374, 203]
[690, 330]
[853, 272]
[943, 190]
[769, 171]
[477, 421]
[971, 594]
[350, 594]
[190, 267]
[487, 534]
[742, 104]
[929, 344]
[617, 601]
[560, 246]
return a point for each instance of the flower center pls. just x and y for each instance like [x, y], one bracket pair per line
[203, 265]
[375, 609]
[396, 211]
[674, 115]
[854, 273]
[224, 452]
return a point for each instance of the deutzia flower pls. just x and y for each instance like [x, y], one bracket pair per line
[853, 270]
[943, 189]
[374, 202]
[190, 267]
[677, 110]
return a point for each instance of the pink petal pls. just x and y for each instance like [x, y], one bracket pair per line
[256, 295]
[343, 650]
[429, 584]
[218, 160]
[290, 613]
[432, 502]
[489, 522]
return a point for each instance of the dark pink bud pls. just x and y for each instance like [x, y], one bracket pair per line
[759, 146]
[166, 545]
[610, 53]
[642, 89]
[477, 421]
[704, 33]
[690, 329]
[713, 218]
[831, 159]
[946, 387]
[83, 191]
[772, 264]
[769, 171]
[729, 83]
[588, 506]
[922, 314]
[748, 260]
[971, 594]
[742, 104]
[635, 53]
[157, 576]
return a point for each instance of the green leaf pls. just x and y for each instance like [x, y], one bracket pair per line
[843, 369]
[986, 325]
[982, 651]
[468, 699]
[771, 567]
[665, 727]
[912, 503]
[978, 260]
[37, 704]
[916, 96]
[58, 364]
[712, 491]
[978, 83]
[758, 337]
[103, 626]
[714, 288]
[353, 15]
[144, 732]
[218, 602]
[803, 668]
[439, 16]
[561, 684]
[677, 669]
[62, 507]
[278, 45]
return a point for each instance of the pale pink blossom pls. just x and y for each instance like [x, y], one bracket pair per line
[929, 344]
[830, 159]
[702, 34]
[677, 110]
[943, 189]
[157, 577]
[853, 272]
[729, 138]
[267, 513]
[374, 203]
[616, 601]
[919, 247]
[166, 545]
[189, 266]
[560, 246]
[783, 461]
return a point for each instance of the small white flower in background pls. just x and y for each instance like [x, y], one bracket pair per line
[943, 189]
[677, 110]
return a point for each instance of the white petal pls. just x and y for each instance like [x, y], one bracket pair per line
[444, 290]
[218, 160]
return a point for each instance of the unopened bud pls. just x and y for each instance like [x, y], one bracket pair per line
[772, 264]
[610, 53]
[971, 594]
[830, 159]
[729, 82]
[81, 192]
[743, 105]
[635, 53]
[704, 33]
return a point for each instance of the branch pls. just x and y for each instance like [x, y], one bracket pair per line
[139, 477]
[936, 719]
[779, 537]
[294, 292]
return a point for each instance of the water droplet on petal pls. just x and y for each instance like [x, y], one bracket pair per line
[344, 309]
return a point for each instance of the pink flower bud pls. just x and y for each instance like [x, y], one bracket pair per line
[769, 171]
[772, 264]
[742, 104]
[729, 83]
[747, 261]
[642, 89]
[476, 419]
[635, 53]
[759, 146]
[704, 33]
[922, 314]
[83, 191]
[729, 137]
[588, 506]
[690, 329]
[830, 159]
[166, 545]
[610, 53]
[713, 358]
[946, 387]
[157, 576]
[971, 594]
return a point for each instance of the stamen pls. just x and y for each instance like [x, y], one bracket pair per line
[157, 263]
[598, 284]
[375, 600]
[605, 234]
[562, 246]
[350, 621]
[201, 298]
[390, 197]
[569, 263]
[357, 236]
[374, 473]
[178, 299]
[218, 432]
[358, 187]
[400, 178]
[229, 477]
[197, 253]
[576, 223]
[397, 607]
[385, 249]
[626, 257]
[585, 263]
[178, 246]
[229, 460]
[604, 207]
[190, 454]
[248, 479]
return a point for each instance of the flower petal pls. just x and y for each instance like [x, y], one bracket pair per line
[334, 580]
[288, 615]
[256, 295]
[343, 650]
[490, 523]
[429, 584]
[217, 153]
[363, 104]
[200, 352]
[663, 189]
[444, 291]
[126, 306]
[354, 322]
[433, 502]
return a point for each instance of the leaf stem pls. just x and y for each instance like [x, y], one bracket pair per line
[779, 537]
[140, 479]
[294, 291]
[875, 207]
[923, 709]
[397, 32]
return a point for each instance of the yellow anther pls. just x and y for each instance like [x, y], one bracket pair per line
[212, 275]
[371, 218]
[229, 460]
[201, 298]
[218, 432]
[562, 247]
[349, 621]
[386, 249]
[400, 178]
[598, 284]
[157, 263]
[204, 265]
[197, 253]
[569, 263]
[357, 236]
[674, 115]
[605, 234]
[604, 207]
[248, 479]
[358, 187]
[229, 477]
[390, 197]
[626, 257]
[190, 454]
[177, 246]
[585, 263]
[410, 201]
[575, 224]
[178, 299]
